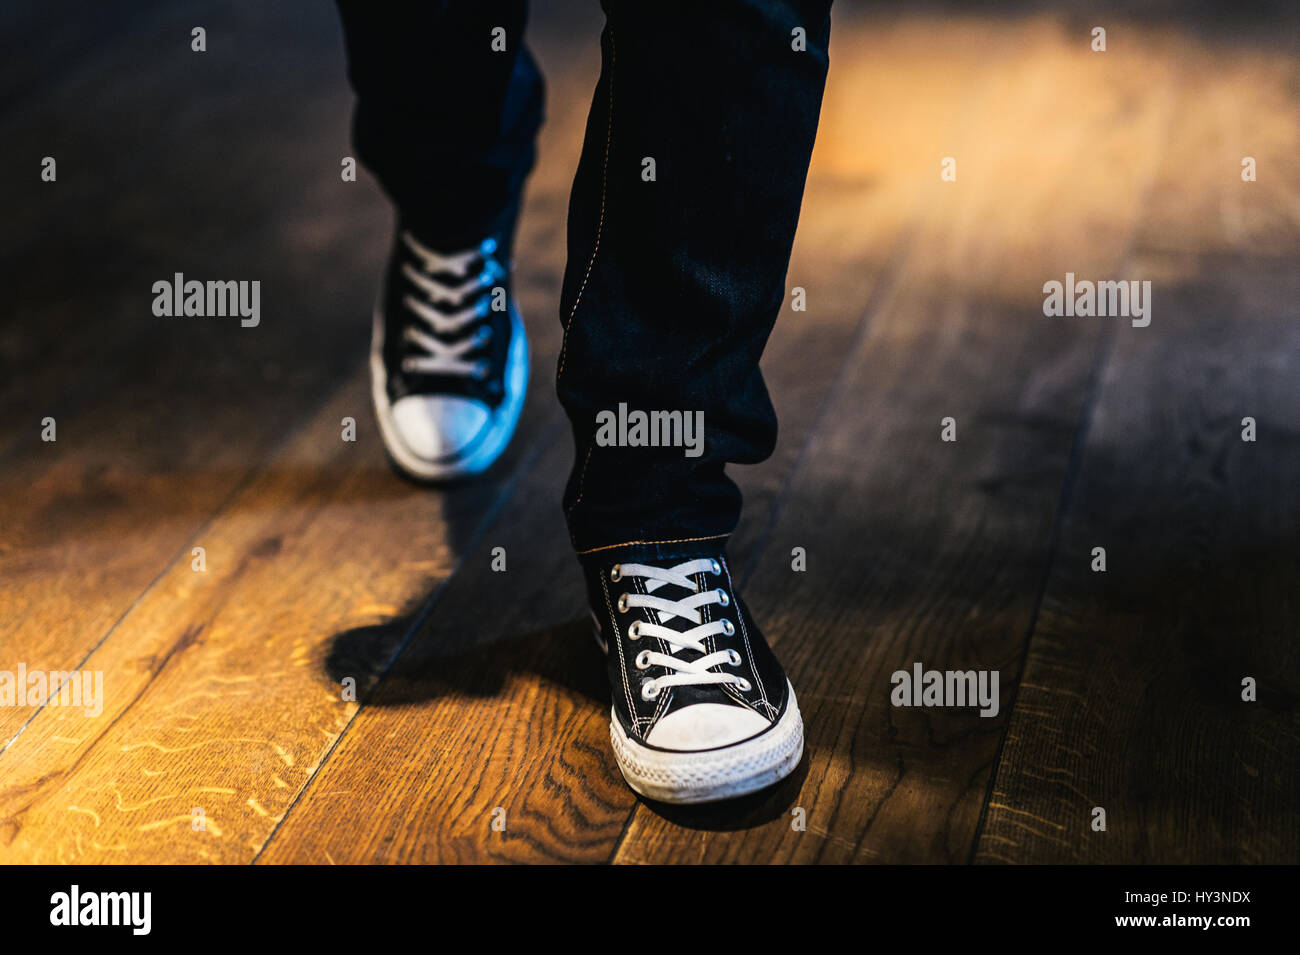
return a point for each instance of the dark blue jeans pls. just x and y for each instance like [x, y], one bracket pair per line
[681, 221]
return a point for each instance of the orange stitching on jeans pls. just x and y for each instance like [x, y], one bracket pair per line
[582, 479]
[600, 225]
[600, 231]
[679, 540]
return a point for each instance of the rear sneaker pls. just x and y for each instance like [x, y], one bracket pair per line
[448, 359]
[702, 710]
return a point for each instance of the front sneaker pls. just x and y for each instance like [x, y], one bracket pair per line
[701, 708]
[448, 359]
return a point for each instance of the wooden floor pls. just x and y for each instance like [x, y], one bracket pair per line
[480, 696]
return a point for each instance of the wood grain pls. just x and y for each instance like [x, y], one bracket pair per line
[159, 420]
[463, 686]
[480, 696]
[1132, 696]
[921, 551]
[223, 688]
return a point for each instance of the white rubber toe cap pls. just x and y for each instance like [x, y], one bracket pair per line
[434, 427]
[705, 726]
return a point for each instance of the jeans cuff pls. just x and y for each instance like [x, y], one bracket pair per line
[682, 548]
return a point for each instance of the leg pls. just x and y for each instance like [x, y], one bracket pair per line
[448, 104]
[671, 292]
[673, 285]
[445, 121]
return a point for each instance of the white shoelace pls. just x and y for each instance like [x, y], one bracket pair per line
[697, 671]
[440, 357]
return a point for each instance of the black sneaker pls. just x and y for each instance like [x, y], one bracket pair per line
[702, 709]
[448, 359]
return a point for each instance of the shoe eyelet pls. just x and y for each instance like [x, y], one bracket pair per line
[487, 246]
[649, 690]
[714, 567]
[616, 573]
[643, 660]
[481, 371]
[723, 599]
[634, 631]
[743, 686]
[728, 627]
[484, 334]
[733, 657]
[623, 605]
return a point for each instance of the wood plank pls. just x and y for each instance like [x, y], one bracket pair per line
[161, 420]
[1131, 699]
[137, 201]
[223, 689]
[205, 663]
[920, 550]
[481, 691]
[512, 703]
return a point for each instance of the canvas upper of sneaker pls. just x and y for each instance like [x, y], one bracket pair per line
[746, 690]
[467, 291]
